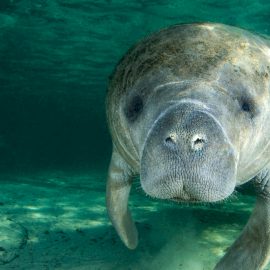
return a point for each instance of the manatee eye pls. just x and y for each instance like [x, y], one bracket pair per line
[134, 108]
[248, 106]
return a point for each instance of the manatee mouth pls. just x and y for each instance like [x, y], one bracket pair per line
[191, 199]
[184, 197]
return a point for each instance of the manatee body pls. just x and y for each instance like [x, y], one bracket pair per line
[188, 109]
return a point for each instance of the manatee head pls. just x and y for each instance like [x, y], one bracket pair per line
[187, 106]
[185, 135]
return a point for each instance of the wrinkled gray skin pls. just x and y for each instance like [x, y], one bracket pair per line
[189, 110]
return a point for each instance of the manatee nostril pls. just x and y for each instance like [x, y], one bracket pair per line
[171, 139]
[168, 140]
[198, 141]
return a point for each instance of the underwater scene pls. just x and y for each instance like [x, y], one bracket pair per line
[56, 61]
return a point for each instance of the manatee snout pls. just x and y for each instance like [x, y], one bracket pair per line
[187, 156]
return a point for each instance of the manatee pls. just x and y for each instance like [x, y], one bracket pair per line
[188, 109]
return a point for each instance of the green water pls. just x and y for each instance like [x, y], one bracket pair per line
[55, 60]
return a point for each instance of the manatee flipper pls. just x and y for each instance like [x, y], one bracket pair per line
[252, 249]
[117, 193]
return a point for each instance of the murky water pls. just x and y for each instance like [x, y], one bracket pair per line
[55, 60]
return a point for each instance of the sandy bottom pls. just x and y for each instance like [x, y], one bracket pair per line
[58, 221]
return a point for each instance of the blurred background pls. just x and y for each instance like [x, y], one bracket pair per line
[55, 60]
